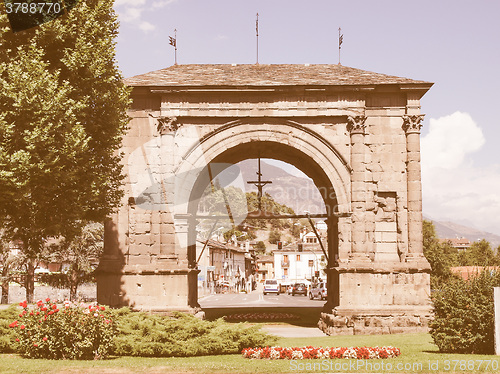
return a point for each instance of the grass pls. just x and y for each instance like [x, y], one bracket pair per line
[418, 354]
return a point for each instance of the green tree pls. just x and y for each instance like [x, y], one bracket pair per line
[260, 247]
[6, 264]
[274, 237]
[82, 252]
[478, 254]
[440, 256]
[62, 115]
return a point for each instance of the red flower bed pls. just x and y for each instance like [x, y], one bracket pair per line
[299, 353]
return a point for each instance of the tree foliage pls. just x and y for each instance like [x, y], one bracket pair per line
[62, 115]
[440, 256]
[82, 252]
[464, 314]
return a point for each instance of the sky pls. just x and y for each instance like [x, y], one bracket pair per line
[453, 43]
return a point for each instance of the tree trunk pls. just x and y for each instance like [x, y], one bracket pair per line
[73, 283]
[5, 283]
[30, 281]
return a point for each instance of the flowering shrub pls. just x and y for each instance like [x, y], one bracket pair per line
[299, 353]
[69, 332]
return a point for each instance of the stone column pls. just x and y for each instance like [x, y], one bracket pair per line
[356, 126]
[412, 125]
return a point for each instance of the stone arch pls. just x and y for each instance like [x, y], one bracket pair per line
[330, 169]
[290, 143]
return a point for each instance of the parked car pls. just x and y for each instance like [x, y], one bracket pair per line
[271, 286]
[299, 289]
[318, 290]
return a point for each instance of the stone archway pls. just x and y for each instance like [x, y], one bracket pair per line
[353, 132]
[290, 143]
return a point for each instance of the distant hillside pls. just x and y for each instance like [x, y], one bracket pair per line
[301, 194]
[298, 193]
[453, 230]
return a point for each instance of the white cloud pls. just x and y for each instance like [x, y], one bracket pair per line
[146, 26]
[162, 3]
[450, 139]
[133, 12]
[131, 15]
[133, 3]
[454, 188]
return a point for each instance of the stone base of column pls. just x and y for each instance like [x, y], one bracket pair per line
[148, 290]
[359, 257]
[395, 319]
[418, 261]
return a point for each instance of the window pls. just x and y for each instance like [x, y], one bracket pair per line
[285, 272]
[298, 257]
[311, 263]
[285, 258]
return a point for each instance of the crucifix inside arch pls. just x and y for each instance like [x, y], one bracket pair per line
[259, 183]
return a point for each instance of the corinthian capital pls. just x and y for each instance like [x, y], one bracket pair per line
[412, 123]
[356, 124]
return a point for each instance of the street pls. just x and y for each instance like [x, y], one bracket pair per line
[257, 299]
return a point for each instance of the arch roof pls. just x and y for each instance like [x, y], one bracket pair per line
[263, 75]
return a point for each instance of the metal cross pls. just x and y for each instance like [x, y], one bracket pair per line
[259, 183]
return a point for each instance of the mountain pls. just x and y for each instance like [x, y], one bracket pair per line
[298, 193]
[449, 230]
[301, 195]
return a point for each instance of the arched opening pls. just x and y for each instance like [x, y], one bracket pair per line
[288, 154]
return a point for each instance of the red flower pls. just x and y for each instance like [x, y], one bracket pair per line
[47, 299]
[44, 338]
[24, 304]
[35, 345]
[51, 312]
[21, 327]
[17, 339]
[103, 308]
[39, 303]
[44, 309]
[13, 324]
[54, 306]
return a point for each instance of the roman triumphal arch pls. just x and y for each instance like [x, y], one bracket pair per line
[355, 133]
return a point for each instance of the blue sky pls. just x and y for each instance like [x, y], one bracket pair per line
[454, 44]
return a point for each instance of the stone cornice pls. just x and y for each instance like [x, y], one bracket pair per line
[356, 124]
[412, 123]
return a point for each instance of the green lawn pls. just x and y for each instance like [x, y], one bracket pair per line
[418, 354]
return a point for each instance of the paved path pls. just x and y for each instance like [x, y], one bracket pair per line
[289, 331]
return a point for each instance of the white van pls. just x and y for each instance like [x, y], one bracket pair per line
[270, 286]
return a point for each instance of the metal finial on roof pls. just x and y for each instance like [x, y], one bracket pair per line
[341, 39]
[257, 33]
[173, 43]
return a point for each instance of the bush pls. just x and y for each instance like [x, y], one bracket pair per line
[75, 332]
[182, 335]
[7, 335]
[464, 314]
